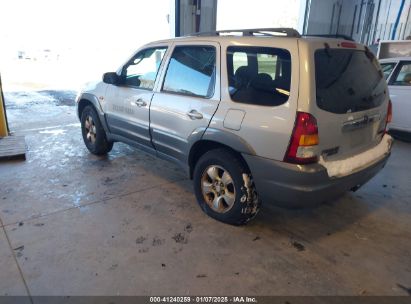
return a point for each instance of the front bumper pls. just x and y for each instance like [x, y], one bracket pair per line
[293, 186]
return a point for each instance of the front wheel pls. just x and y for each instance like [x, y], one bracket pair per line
[93, 132]
[224, 188]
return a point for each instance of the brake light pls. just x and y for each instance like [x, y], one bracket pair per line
[389, 115]
[348, 45]
[303, 142]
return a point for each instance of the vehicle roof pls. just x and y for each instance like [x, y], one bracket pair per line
[246, 39]
[254, 36]
[395, 59]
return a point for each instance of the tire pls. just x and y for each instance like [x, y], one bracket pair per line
[93, 132]
[401, 135]
[231, 198]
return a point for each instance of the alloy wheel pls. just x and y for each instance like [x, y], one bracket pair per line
[91, 130]
[218, 189]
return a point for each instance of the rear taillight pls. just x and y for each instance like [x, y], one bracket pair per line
[304, 140]
[389, 115]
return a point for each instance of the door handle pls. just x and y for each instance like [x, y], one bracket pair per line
[140, 103]
[194, 114]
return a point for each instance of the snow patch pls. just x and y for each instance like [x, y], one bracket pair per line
[54, 132]
[340, 168]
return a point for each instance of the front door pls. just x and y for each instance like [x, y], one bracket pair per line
[130, 100]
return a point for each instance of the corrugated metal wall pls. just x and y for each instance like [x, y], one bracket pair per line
[364, 20]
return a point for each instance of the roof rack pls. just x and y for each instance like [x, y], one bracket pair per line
[287, 32]
[331, 36]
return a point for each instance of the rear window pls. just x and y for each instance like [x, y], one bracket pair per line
[259, 75]
[348, 81]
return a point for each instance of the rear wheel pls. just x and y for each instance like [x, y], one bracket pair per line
[93, 132]
[224, 188]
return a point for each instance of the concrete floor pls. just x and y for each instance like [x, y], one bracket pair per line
[128, 224]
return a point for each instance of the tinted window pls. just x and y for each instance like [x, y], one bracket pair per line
[259, 75]
[387, 69]
[191, 71]
[142, 70]
[404, 75]
[239, 59]
[348, 81]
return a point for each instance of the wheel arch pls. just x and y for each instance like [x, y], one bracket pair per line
[87, 99]
[82, 104]
[202, 146]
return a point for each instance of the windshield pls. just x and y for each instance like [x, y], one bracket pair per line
[348, 81]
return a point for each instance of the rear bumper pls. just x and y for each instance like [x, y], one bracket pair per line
[289, 185]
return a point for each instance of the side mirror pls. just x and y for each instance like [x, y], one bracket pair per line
[111, 78]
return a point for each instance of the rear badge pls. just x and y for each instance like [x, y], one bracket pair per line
[362, 122]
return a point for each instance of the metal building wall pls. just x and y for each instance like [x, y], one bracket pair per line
[191, 16]
[364, 20]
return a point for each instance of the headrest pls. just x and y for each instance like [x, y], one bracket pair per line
[263, 81]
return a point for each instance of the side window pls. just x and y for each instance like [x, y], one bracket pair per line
[141, 71]
[239, 59]
[263, 79]
[267, 64]
[404, 75]
[387, 69]
[191, 71]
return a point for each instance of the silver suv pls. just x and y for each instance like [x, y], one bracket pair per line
[261, 115]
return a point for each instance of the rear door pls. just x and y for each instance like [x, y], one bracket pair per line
[187, 98]
[351, 99]
[400, 92]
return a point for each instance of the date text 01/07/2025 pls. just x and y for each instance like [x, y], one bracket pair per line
[203, 299]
